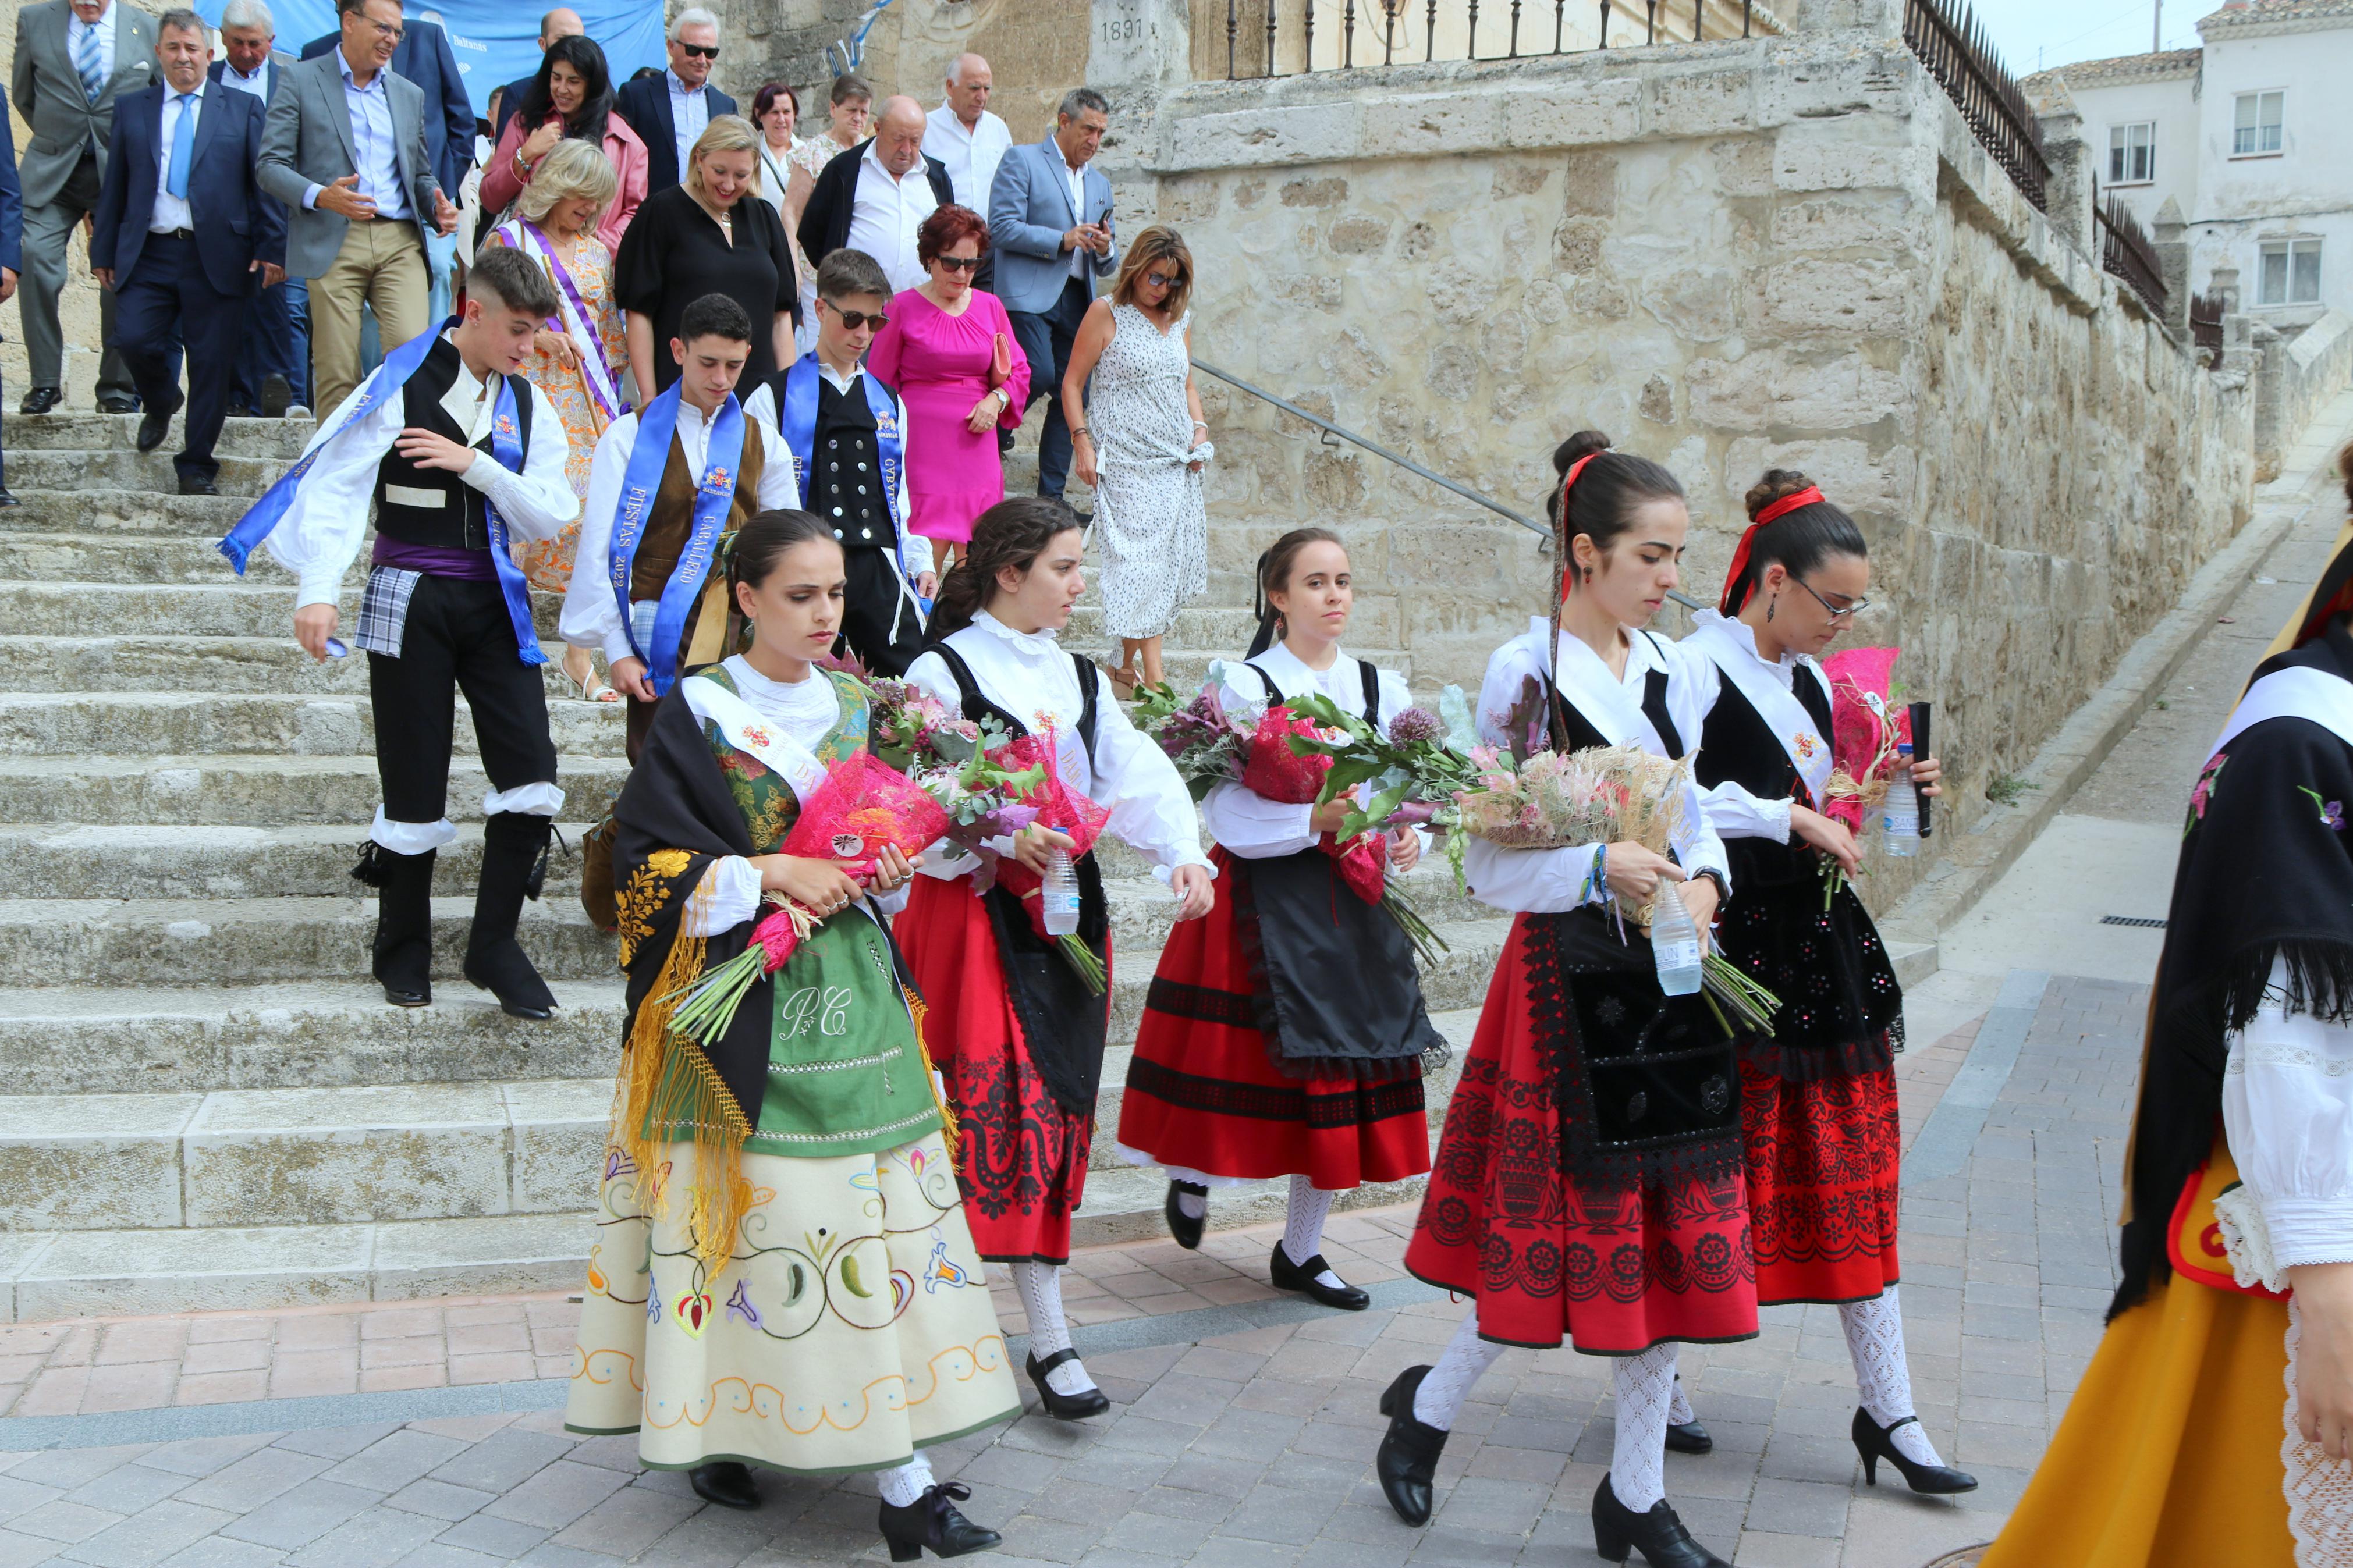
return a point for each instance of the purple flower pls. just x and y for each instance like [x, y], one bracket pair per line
[1414, 727]
[739, 1305]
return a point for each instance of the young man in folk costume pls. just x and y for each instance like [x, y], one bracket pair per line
[2237, 1253]
[646, 586]
[461, 457]
[848, 433]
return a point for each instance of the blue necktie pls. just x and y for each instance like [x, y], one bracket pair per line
[86, 61]
[183, 145]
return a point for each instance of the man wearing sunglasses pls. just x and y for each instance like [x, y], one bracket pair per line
[848, 433]
[669, 111]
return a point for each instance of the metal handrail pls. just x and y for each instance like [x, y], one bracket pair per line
[1407, 464]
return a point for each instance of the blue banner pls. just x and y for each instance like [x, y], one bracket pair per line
[494, 44]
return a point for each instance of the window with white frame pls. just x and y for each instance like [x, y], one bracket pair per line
[2290, 273]
[2255, 128]
[2132, 153]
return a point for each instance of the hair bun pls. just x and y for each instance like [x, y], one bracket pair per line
[1584, 444]
[1776, 484]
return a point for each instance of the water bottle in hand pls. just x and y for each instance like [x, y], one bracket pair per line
[1674, 940]
[1901, 813]
[1059, 894]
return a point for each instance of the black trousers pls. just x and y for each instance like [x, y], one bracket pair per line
[872, 600]
[1046, 343]
[169, 297]
[273, 344]
[457, 639]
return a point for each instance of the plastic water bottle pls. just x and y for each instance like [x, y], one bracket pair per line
[1060, 895]
[1675, 942]
[1901, 813]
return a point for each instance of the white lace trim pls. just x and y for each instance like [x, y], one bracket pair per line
[2247, 1239]
[2319, 1490]
[2288, 1056]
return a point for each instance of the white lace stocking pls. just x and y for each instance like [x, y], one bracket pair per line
[1302, 1228]
[1040, 1285]
[903, 1485]
[2319, 1490]
[1679, 1409]
[1638, 1456]
[1444, 1387]
[1192, 1204]
[1882, 1377]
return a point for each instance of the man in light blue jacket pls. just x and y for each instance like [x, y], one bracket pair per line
[1050, 224]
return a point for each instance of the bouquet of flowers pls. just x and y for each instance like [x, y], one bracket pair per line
[1049, 802]
[1208, 744]
[1867, 725]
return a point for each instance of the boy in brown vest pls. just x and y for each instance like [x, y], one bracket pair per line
[650, 527]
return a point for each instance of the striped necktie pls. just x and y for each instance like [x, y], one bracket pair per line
[86, 62]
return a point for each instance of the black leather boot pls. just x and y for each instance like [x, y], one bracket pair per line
[931, 1521]
[404, 922]
[1407, 1459]
[514, 845]
[1658, 1533]
[727, 1482]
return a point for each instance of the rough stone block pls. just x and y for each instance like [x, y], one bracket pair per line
[1786, 389]
[559, 1131]
[1814, 158]
[1855, 299]
[1881, 224]
[1430, 124]
[90, 1160]
[1701, 103]
[1268, 137]
[1577, 115]
[1700, 303]
[347, 1156]
[91, 1273]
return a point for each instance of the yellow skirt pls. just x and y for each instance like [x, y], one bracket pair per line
[2170, 1455]
[851, 1327]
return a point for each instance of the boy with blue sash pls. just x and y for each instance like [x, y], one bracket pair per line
[458, 457]
[668, 481]
[848, 433]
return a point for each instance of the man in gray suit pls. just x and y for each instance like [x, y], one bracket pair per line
[73, 57]
[344, 151]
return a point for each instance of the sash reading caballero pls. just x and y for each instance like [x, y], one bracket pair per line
[657, 424]
[506, 450]
[797, 423]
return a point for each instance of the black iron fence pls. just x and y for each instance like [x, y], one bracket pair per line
[1290, 37]
[1955, 48]
[2206, 322]
[2127, 253]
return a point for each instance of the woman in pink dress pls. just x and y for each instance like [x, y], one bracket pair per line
[948, 351]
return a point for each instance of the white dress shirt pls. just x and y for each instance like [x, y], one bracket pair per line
[320, 535]
[1029, 675]
[257, 84]
[689, 116]
[591, 616]
[884, 215]
[1080, 256]
[1548, 881]
[914, 550]
[104, 29]
[1248, 824]
[171, 211]
[970, 156]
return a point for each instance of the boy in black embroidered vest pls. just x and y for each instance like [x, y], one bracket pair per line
[661, 512]
[848, 433]
[461, 456]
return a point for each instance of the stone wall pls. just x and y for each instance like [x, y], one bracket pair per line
[2297, 375]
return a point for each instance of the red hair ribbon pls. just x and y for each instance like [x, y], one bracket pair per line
[1568, 483]
[1810, 496]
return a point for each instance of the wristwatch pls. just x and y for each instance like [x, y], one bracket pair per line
[1710, 874]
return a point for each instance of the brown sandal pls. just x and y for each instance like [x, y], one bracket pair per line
[1124, 680]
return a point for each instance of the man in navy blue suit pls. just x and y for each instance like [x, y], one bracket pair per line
[273, 362]
[12, 237]
[184, 236]
[669, 111]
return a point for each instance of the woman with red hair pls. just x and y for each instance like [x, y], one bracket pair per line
[949, 350]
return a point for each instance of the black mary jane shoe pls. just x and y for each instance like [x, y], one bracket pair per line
[1408, 1458]
[1690, 1437]
[1065, 1407]
[1285, 1274]
[1184, 1227]
[933, 1520]
[1658, 1534]
[1875, 1443]
[727, 1482]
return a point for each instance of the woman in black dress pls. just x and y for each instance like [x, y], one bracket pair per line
[700, 237]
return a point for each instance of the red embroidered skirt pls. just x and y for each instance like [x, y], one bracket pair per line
[1203, 1095]
[1614, 1268]
[1823, 1162]
[1021, 1157]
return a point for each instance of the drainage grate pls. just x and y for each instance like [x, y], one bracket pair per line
[2142, 921]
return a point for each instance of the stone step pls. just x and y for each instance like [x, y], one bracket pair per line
[206, 664]
[247, 942]
[44, 1277]
[226, 608]
[274, 440]
[233, 791]
[117, 510]
[1224, 620]
[226, 863]
[129, 468]
[301, 1156]
[128, 558]
[65, 724]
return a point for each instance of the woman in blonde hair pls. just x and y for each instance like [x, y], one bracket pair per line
[702, 236]
[580, 358]
[1140, 443]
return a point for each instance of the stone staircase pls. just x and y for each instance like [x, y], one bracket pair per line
[204, 1101]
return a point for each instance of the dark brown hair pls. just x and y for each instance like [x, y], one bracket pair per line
[753, 549]
[1274, 576]
[1602, 504]
[1799, 540]
[1156, 245]
[512, 279]
[1011, 534]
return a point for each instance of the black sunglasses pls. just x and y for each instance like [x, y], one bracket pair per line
[959, 263]
[701, 51]
[853, 319]
[1164, 280]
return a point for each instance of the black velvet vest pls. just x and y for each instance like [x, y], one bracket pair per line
[433, 507]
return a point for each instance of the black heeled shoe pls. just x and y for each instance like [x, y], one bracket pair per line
[1689, 1436]
[1285, 1274]
[933, 1520]
[1658, 1533]
[1065, 1407]
[1184, 1227]
[1408, 1454]
[1873, 1441]
[727, 1482]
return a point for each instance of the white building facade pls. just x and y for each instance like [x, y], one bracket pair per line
[2250, 140]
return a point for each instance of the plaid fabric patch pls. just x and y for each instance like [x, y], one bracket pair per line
[384, 610]
[643, 614]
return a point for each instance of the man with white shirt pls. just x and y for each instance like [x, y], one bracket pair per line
[647, 583]
[273, 361]
[459, 456]
[876, 195]
[670, 111]
[969, 143]
[183, 236]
